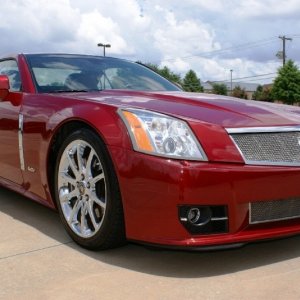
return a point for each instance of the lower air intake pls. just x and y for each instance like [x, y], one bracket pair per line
[277, 210]
[202, 219]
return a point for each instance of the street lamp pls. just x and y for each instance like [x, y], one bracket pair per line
[104, 46]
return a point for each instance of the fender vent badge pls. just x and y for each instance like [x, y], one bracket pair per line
[31, 169]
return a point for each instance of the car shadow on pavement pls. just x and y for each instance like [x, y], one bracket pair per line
[170, 263]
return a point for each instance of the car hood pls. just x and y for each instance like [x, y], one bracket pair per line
[227, 112]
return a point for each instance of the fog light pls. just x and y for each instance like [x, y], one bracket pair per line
[194, 215]
[204, 219]
[199, 216]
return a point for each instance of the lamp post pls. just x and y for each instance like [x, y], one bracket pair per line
[104, 46]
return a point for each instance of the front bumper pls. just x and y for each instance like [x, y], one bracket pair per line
[153, 189]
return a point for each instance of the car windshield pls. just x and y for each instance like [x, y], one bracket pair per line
[82, 73]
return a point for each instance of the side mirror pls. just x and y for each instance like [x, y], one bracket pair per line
[4, 86]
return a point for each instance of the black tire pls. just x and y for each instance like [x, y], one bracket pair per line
[92, 226]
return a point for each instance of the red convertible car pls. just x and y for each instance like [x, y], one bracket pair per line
[123, 154]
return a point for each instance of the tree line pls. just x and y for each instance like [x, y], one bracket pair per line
[285, 88]
[189, 83]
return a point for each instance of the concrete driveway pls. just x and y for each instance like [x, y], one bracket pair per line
[39, 261]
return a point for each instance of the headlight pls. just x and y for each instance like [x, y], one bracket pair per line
[158, 134]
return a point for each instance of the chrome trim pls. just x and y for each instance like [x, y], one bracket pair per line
[211, 219]
[268, 163]
[219, 219]
[20, 138]
[274, 220]
[263, 129]
[239, 150]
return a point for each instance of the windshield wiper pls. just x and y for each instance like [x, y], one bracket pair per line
[75, 91]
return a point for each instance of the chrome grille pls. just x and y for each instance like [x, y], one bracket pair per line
[269, 148]
[269, 211]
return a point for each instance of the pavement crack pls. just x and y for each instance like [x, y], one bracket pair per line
[36, 250]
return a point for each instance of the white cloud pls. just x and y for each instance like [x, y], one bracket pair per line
[95, 28]
[219, 69]
[180, 34]
[35, 25]
[266, 8]
[183, 37]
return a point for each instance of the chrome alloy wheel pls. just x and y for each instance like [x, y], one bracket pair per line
[82, 188]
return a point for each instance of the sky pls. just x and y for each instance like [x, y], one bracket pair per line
[210, 37]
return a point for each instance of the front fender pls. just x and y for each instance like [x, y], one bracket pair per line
[44, 116]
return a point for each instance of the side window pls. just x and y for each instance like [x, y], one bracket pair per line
[10, 68]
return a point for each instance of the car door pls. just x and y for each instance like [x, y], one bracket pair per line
[10, 131]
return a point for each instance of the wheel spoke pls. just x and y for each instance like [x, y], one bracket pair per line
[99, 177]
[82, 219]
[68, 178]
[97, 200]
[89, 161]
[72, 166]
[69, 196]
[92, 216]
[79, 158]
[75, 211]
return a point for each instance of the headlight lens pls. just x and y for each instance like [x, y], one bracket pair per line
[161, 135]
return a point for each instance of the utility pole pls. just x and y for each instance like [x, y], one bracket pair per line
[284, 38]
[231, 82]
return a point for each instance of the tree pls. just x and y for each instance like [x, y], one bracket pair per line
[286, 86]
[219, 89]
[238, 92]
[257, 94]
[191, 83]
[165, 72]
[263, 94]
